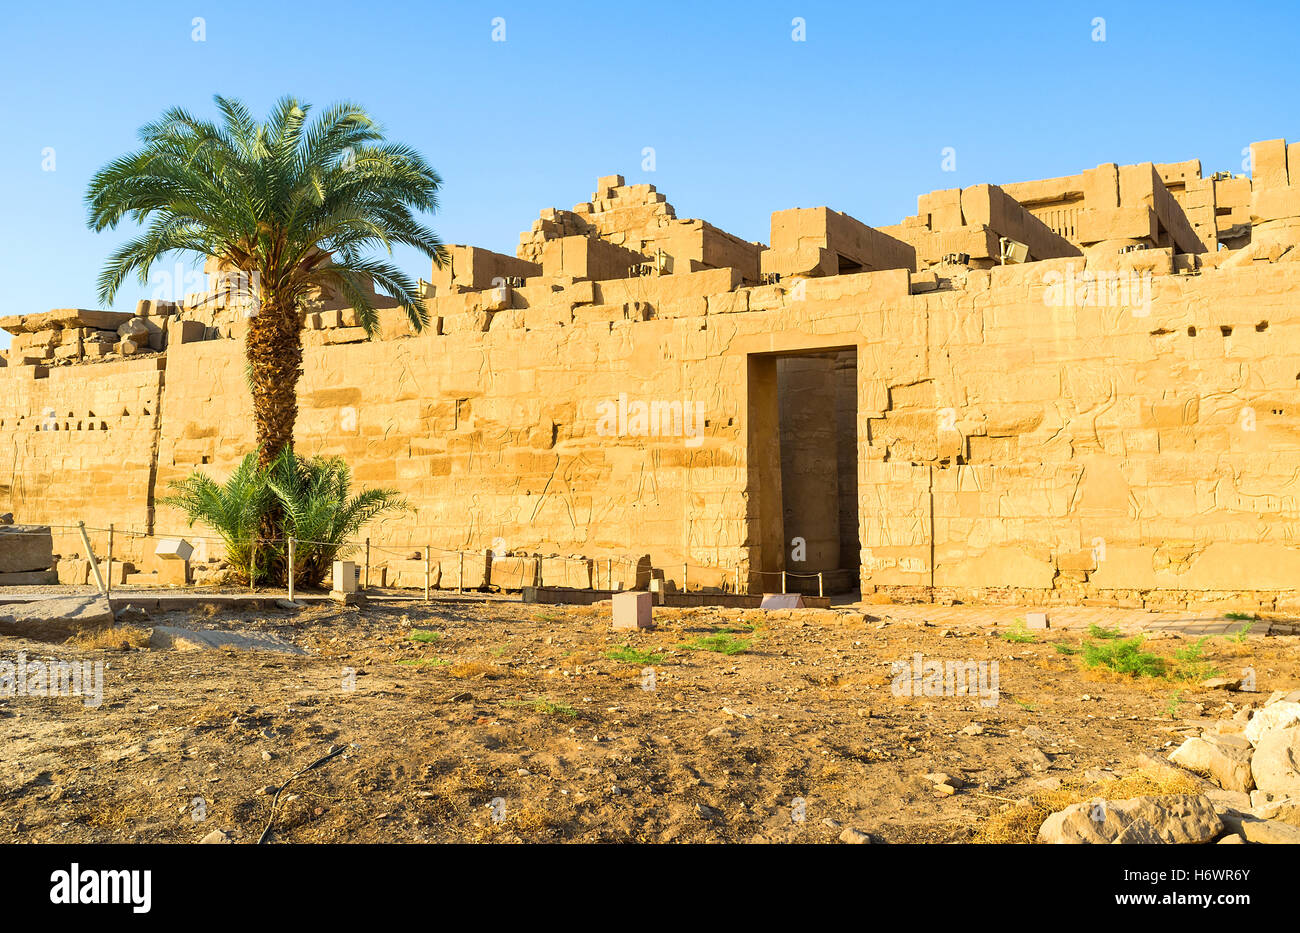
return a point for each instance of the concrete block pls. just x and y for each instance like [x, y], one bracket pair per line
[1036, 620]
[170, 549]
[781, 601]
[345, 576]
[632, 611]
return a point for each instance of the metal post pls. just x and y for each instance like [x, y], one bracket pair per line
[426, 573]
[90, 555]
[291, 549]
[108, 586]
[460, 580]
[367, 583]
[684, 582]
[737, 580]
[821, 584]
[783, 581]
[609, 573]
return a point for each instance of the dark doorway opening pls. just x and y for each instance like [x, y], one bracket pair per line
[803, 442]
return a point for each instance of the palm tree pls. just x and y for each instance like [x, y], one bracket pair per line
[292, 206]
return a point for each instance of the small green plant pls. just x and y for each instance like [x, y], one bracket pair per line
[1174, 702]
[543, 706]
[1124, 656]
[423, 662]
[425, 636]
[632, 655]
[1025, 706]
[546, 617]
[1065, 649]
[1190, 665]
[721, 642]
[1241, 617]
[498, 650]
[1018, 634]
[1239, 636]
[1097, 631]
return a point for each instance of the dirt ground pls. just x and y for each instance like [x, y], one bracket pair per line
[495, 721]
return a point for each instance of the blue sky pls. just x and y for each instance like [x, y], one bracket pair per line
[743, 120]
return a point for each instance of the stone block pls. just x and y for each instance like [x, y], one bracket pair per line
[174, 549]
[345, 576]
[514, 572]
[25, 547]
[632, 611]
[1036, 620]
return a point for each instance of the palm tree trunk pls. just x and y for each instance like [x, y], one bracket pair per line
[273, 346]
[274, 350]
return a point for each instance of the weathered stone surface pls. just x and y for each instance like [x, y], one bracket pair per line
[1179, 818]
[1268, 832]
[490, 424]
[55, 619]
[25, 547]
[1276, 763]
[181, 639]
[1224, 758]
[29, 578]
[1281, 715]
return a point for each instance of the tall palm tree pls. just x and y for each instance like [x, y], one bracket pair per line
[294, 206]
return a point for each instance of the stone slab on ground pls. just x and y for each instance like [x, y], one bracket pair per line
[30, 578]
[55, 619]
[25, 547]
[184, 639]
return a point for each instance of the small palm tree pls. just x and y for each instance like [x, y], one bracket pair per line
[321, 512]
[311, 499]
[292, 206]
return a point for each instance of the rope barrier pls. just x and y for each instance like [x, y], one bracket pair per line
[732, 575]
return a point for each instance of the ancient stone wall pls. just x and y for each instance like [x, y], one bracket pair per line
[1115, 425]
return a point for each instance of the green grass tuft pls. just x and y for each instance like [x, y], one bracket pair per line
[722, 643]
[634, 655]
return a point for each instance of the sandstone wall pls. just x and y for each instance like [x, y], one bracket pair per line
[1117, 426]
[79, 444]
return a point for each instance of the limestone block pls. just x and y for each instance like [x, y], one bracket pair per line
[73, 571]
[180, 332]
[1268, 164]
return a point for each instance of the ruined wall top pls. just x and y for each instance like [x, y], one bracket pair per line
[625, 248]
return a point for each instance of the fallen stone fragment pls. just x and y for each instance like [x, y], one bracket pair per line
[856, 837]
[55, 619]
[183, 639]
[1280, 715]
[1266, 832]
[1276, 763]
[1224, 758]
[1172, 819]
[217, 837]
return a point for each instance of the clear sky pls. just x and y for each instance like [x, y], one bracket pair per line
[743, 119]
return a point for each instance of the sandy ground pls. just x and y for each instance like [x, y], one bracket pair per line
[498, 721]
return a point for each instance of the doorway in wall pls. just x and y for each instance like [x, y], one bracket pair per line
[803, 471]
